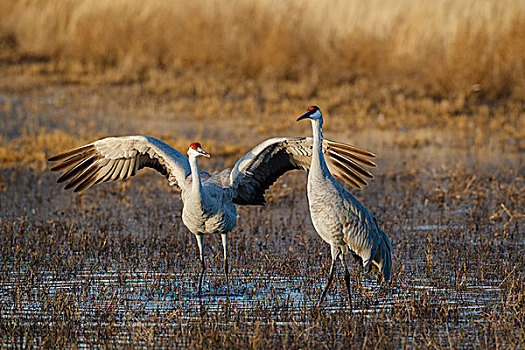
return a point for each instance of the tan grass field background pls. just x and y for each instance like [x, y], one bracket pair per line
[445, 46]
[405, 74]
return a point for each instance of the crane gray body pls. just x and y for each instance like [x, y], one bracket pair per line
[340, 219]
[211, 210]
[344, 222]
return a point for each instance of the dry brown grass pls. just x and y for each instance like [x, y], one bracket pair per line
[447, 47]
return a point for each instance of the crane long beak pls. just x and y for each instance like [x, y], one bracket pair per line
[304, 116]
[203, 152]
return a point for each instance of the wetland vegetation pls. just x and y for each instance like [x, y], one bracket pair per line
[115, 266]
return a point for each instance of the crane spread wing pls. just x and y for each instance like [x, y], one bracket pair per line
[262, 166]
[118, 158]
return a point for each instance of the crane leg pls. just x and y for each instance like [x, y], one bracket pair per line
[335, 253]
[224, 237]
[203, 265]
[347, 279]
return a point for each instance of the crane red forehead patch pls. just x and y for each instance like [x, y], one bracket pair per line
[195, 145]
[311, 108]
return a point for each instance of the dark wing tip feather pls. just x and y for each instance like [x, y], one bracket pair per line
[77, 169]
[258, 200]
[351, 148]
[351, 180]
[71, 153]
[85, 176]
[73, 162]
[354, 153]
[349, 163]
[354, 157]
[347, 173]
[90, 180]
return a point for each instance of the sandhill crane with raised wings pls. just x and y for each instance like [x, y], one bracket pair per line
[208, 199]
[339, 218]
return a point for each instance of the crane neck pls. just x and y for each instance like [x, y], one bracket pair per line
[317, 147]
[196, 185]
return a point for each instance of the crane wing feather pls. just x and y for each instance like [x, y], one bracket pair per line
[354, 153]
[365, 238]
[118, 158]
[256, 171]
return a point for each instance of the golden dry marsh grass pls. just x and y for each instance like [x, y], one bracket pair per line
[446, 47]
[39, 117]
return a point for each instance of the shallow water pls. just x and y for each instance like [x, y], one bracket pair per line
[148, 298]
[115, 266]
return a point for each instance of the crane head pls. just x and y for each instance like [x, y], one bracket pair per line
[313, 112]
[196, 150]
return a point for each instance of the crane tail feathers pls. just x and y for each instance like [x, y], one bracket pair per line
[383, 258]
